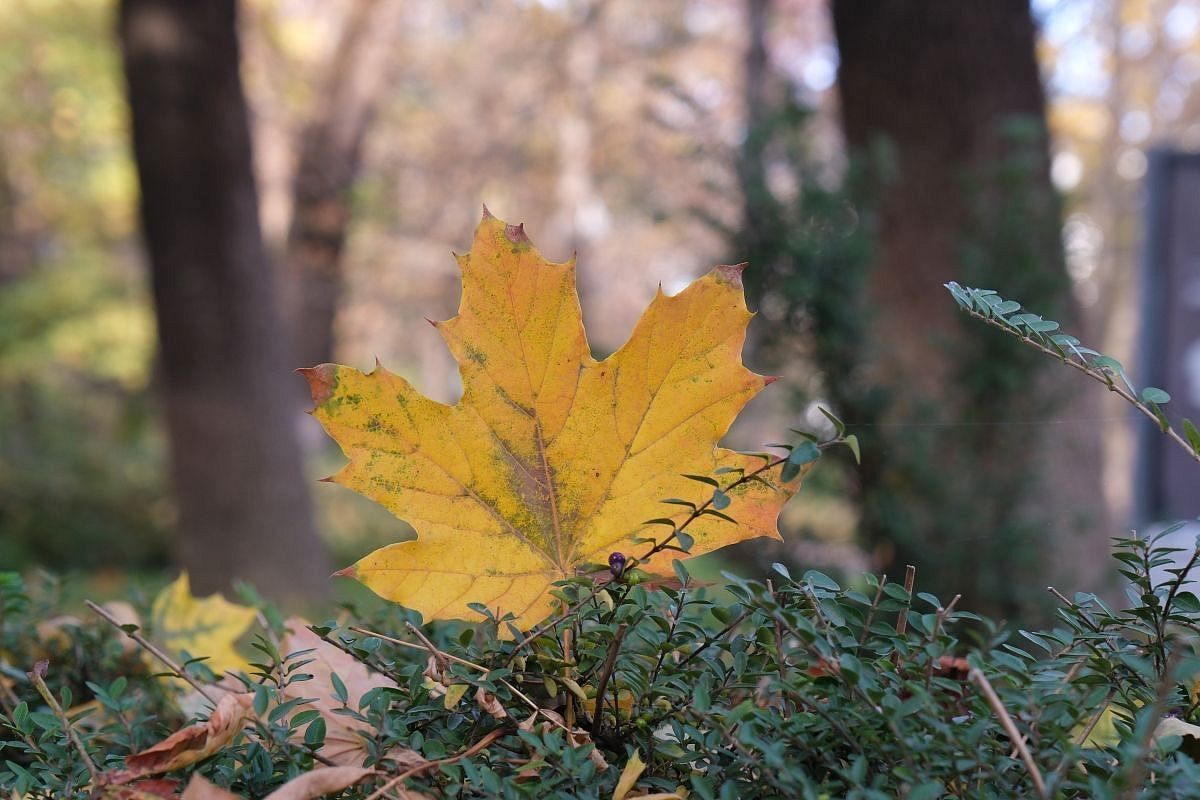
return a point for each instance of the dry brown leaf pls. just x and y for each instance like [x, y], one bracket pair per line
[150, 789]
[343, 746]
[192, 744]
[200, 789]
[577, 738]
[488, 702]
[320, 781]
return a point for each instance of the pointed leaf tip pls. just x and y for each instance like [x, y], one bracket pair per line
[733, 272]
[432, 322]
[346, 572]
[321, 382]
[769, 379]
[516, 233]
[487, 214]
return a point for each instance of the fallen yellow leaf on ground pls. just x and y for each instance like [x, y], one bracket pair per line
[206, 627]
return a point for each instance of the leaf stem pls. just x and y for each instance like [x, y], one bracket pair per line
[1010, 727]
[430, 648]
[610, 662]
[482, 744]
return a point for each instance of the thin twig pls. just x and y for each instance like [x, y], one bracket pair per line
[1137, 770]
[434, 651]
[442, 662]
[1164, 617]
[153, 650]
[866, 629]
[9, 701]
[482, 744]
[1091, 726]
[1010, 727]
[1097, 375]
[938, 621]
[710, 640]
[551, 623]
[910, 580]
[610, 662]
[697, 512]
[1071, 757]
[37, 675]
[780, 661]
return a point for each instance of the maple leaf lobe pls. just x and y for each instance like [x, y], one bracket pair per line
[733, 272]
[322, 379]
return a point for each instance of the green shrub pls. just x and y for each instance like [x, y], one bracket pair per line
[788, 687]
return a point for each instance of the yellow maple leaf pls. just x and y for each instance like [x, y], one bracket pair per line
[206, 627]
[551, 459]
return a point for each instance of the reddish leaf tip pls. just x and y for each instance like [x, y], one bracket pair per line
[326, 479]
[487, 214]
[432, 322]
[321, 382]
[769, 379]
[516, 233]
[346, 572]
[732, 273]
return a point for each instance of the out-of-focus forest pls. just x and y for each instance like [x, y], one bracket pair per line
[196, 198]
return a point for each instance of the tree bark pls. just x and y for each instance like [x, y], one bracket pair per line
[943, 84]
[243, 505]
[330, 158]
[936, 80]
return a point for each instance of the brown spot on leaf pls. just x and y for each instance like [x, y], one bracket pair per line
[321, 382]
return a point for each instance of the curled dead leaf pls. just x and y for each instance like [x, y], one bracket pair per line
[191, 744]
[149, 789]
[319, 782]
[344, 745]
[577, 737]
[488, 702]
[436, 681]
[200, 789]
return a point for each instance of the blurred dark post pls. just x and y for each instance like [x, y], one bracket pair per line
[244, 508]
[330, 156]
[1168, 484]
[952, 89]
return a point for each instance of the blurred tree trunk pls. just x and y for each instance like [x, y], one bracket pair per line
[244, 509]
[329, 161]
[953, 91]
[937, 80]
[17, 240]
